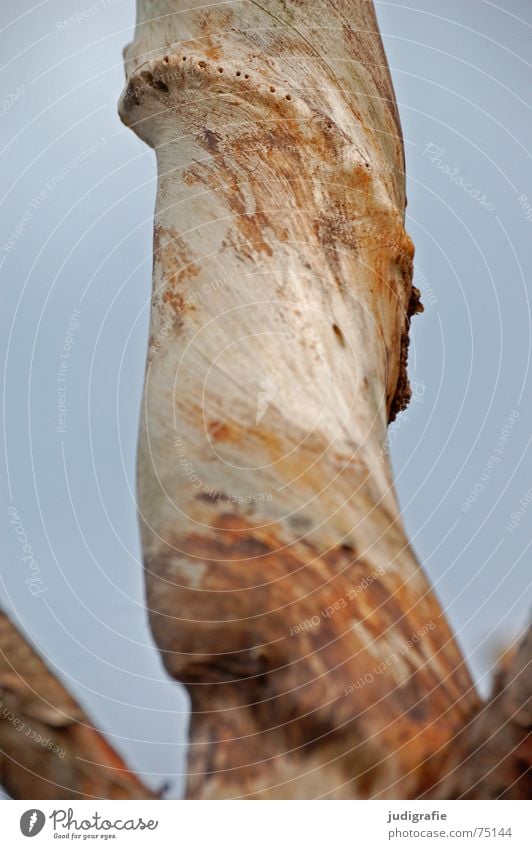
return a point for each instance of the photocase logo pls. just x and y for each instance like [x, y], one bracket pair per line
[32, 822]
[268, 391]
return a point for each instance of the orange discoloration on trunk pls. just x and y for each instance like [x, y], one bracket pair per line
[282, 173]
[237, 630]
[173, 254]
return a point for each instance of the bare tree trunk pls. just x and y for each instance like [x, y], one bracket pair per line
[48, 747]
[281, 588]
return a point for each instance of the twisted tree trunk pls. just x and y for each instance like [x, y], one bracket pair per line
[48, 747]
[281, 588]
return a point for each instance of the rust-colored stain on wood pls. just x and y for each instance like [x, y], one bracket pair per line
[280, 584]
[48, 747]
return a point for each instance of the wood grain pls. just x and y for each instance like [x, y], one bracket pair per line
[49, 749]
[281, 588]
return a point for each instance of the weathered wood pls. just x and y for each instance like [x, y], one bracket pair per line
[49, 749]
[281, 587]
[491, 757]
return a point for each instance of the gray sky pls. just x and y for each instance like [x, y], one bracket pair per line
[77, 212]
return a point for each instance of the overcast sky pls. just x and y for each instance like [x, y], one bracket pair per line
[77, 211]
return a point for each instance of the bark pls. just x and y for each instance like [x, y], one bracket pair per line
[48, 747]
[491, 757]
[281, 588]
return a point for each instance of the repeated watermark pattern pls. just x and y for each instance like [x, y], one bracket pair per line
[268, 389]
[83, 14]
[173, 319]
[35, 581]
[428, 295]
[383, 234]
[23, 728]
[47, 189]
[517, 515]
[491, 463]
[61, 377]
[340, 604]
[208, 491]
[436, 155]
[389, 661]
[525, 206]
[11, 99]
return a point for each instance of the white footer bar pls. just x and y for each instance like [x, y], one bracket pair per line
[267, 825]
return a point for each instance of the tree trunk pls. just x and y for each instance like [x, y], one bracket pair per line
[281, 587]
[48, 747]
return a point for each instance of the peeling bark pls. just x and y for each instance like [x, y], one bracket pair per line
[48, 747]
[281, 587]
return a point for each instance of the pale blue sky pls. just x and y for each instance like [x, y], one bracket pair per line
[76, 235]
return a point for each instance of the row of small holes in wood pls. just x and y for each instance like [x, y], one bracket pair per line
[221, 71]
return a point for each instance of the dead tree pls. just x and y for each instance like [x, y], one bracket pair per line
[281, 588]
[49, 749]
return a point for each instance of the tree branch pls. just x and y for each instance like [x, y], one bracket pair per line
[48, 747]
[491, 757]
